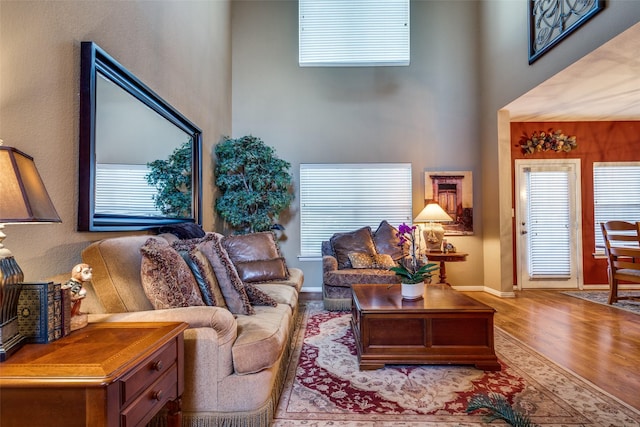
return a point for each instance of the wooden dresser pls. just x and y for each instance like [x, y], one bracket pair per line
[106, 374]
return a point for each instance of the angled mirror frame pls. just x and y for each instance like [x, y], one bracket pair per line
[121, 144]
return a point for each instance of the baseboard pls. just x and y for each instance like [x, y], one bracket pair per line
[499, 294]
[311, 289]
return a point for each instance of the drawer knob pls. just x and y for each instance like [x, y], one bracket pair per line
[157, 366]
[157, 395]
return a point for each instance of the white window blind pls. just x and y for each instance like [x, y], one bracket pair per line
[353, 32]
[344, 197]
[549, 224]
[123, 189]
[616, 195]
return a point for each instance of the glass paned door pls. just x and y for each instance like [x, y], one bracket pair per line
[547, 226]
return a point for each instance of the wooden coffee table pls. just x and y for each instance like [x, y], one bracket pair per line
[445, 327]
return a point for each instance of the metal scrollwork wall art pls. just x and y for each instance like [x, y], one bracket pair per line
[550, 21]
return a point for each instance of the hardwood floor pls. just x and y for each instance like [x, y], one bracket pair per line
[599, 343]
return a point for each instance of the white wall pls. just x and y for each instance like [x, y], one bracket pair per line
[181, 50]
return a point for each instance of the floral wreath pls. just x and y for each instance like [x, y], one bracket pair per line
[547, 141]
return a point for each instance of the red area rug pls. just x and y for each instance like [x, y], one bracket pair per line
[325, 387]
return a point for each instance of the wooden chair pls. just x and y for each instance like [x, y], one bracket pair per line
[622, 247]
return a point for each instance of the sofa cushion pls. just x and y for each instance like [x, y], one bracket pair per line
[282, 294]
[261, 338]
[355, 241]
[348, 276]
[233, 290]
[256, 256]
[166, 277]
[387, 241]
[202, 270]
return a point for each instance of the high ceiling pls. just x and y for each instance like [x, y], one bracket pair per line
[604, 85]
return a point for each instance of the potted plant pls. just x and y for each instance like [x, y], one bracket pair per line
[413, 273]
[255, 185]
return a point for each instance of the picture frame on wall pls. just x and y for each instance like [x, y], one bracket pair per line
[550, 21]
[453, 190]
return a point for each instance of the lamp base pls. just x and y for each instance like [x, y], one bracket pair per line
[13, 344]
[10, 338]
[433, 235]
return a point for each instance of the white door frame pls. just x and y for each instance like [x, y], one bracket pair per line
[521, 258]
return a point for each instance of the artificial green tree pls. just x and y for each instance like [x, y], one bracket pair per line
[172, 178]
[255, 185]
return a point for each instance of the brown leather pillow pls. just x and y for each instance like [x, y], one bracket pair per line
[251, 247]
[262, 270]
[355, 241]
[386, 241]
[257, 257]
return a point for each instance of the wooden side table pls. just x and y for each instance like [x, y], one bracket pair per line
[443, 257]
[103, 375]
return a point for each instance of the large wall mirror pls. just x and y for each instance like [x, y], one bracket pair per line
[140, 159]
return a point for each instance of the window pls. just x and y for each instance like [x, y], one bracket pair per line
[124, 190]
[343, 197]
[353, 32]
[616, 195]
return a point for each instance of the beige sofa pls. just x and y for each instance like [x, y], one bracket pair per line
[234, 363]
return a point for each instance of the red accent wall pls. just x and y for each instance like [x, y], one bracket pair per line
[597, 142]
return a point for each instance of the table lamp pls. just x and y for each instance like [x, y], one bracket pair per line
[433, 215]
[23, 199]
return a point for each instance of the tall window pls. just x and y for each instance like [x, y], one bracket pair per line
[343, 197]
[353, 32]
[616, 195]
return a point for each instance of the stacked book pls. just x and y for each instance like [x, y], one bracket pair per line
[44, 312]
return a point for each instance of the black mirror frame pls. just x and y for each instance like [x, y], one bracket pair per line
[94, 59]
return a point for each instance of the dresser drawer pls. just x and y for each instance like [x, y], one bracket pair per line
[152, 399]
[148, 372]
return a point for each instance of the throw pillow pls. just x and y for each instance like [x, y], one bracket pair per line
[166, 278]
[262, 271]
[355, 241]
[360, 260]
[259, 297]
[377, 261]
[202, 270]
[383, 262]
[233, 290]
[257, 257]
[387, 241]
[184, 230]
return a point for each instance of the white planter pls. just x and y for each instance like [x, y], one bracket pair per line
[412, 291]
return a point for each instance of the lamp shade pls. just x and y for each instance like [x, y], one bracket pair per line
[23, 197]
[432, 212]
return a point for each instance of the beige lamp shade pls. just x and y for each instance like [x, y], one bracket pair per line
[23, 197]
[433, 214]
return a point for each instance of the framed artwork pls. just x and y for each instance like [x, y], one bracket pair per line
[453, 190]
[550, 21]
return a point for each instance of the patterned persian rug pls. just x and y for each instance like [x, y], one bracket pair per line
[324, 386]
[601, 297]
